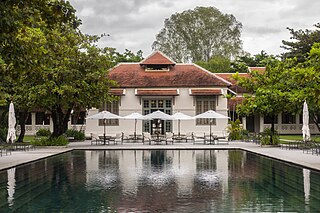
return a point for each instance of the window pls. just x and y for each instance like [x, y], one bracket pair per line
[204, 104]
[78, 118]
[42, 118]
[288, 118]
[29, 119]
[157, 67]
[112, 107]
[268, 120]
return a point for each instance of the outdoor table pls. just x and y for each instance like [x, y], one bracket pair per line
[107, 139]
[157, 139]
[180, 137]
[135, 137]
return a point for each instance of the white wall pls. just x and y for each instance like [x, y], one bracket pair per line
[183, 103]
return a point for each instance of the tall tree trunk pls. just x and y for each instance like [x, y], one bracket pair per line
[23, 116]
[316, 121]
[60, 121]
[273, 117]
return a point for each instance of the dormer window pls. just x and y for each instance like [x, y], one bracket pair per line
[157, 62]
[157, 67]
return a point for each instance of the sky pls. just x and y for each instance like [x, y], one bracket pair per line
[133, 24]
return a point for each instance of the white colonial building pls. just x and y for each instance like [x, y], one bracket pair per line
[158, 83]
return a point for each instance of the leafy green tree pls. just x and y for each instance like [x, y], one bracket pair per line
[199, 34]
[304, 84]
[301, 43]
[127, 56]
[216, 64]
[261, 59]
[269, 95]
[50, 64]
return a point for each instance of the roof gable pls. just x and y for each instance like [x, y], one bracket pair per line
[157, 58]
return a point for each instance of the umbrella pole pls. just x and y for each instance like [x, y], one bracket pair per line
[135, 128]
[179, 127]
[210, 129]
[104, 131]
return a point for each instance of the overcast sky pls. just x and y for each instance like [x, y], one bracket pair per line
[133, 24]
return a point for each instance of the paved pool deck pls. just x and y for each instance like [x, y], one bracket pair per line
[296, 157]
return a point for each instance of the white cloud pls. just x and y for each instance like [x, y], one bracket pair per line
[133, 24]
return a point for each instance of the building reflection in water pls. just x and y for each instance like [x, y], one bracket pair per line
[159, 168]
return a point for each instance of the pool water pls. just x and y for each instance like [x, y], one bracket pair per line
[159, 181]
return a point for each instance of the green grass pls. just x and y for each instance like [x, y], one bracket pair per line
[297, 137]
[28, 138]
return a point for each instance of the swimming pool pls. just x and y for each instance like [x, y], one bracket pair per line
[159, 181]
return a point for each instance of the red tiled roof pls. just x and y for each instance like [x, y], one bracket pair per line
[157, 92]
[258, 69]
[236, 88]
[157, 58]
[118, 92]
[131, 75]
[233, 102]
[205, 92]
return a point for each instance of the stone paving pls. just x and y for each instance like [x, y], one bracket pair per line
[291, 156]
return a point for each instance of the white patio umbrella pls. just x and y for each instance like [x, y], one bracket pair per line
[158, 115]
[306, 184]
[135, 116]
[181, 116]
[305, 122]
[210, 114]
[11, 185]
[11, 124]
[105, 115]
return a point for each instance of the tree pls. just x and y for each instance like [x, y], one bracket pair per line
[269, 93]
[261, 59]
[305, 80]
[199, 34]
[50, 64]
[301, 44]
[216, 64]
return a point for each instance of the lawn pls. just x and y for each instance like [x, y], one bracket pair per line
[298, 137]
[28, 138]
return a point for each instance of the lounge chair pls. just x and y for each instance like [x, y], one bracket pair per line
[198, 138]
[169, 137]
[95, 139]
[146, 137]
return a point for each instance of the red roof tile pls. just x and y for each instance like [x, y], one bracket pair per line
[236, 88]
[233, 102]
[155, 92]
[157, 58]
[206, 92]
[130, 75]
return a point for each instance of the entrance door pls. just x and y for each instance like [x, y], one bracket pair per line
[250, 123]
[157, 126]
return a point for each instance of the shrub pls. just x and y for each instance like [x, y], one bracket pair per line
[77, 135]
[43, 132]
[59, 141]
[266, 135]
[235, 130]
[3, 134]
